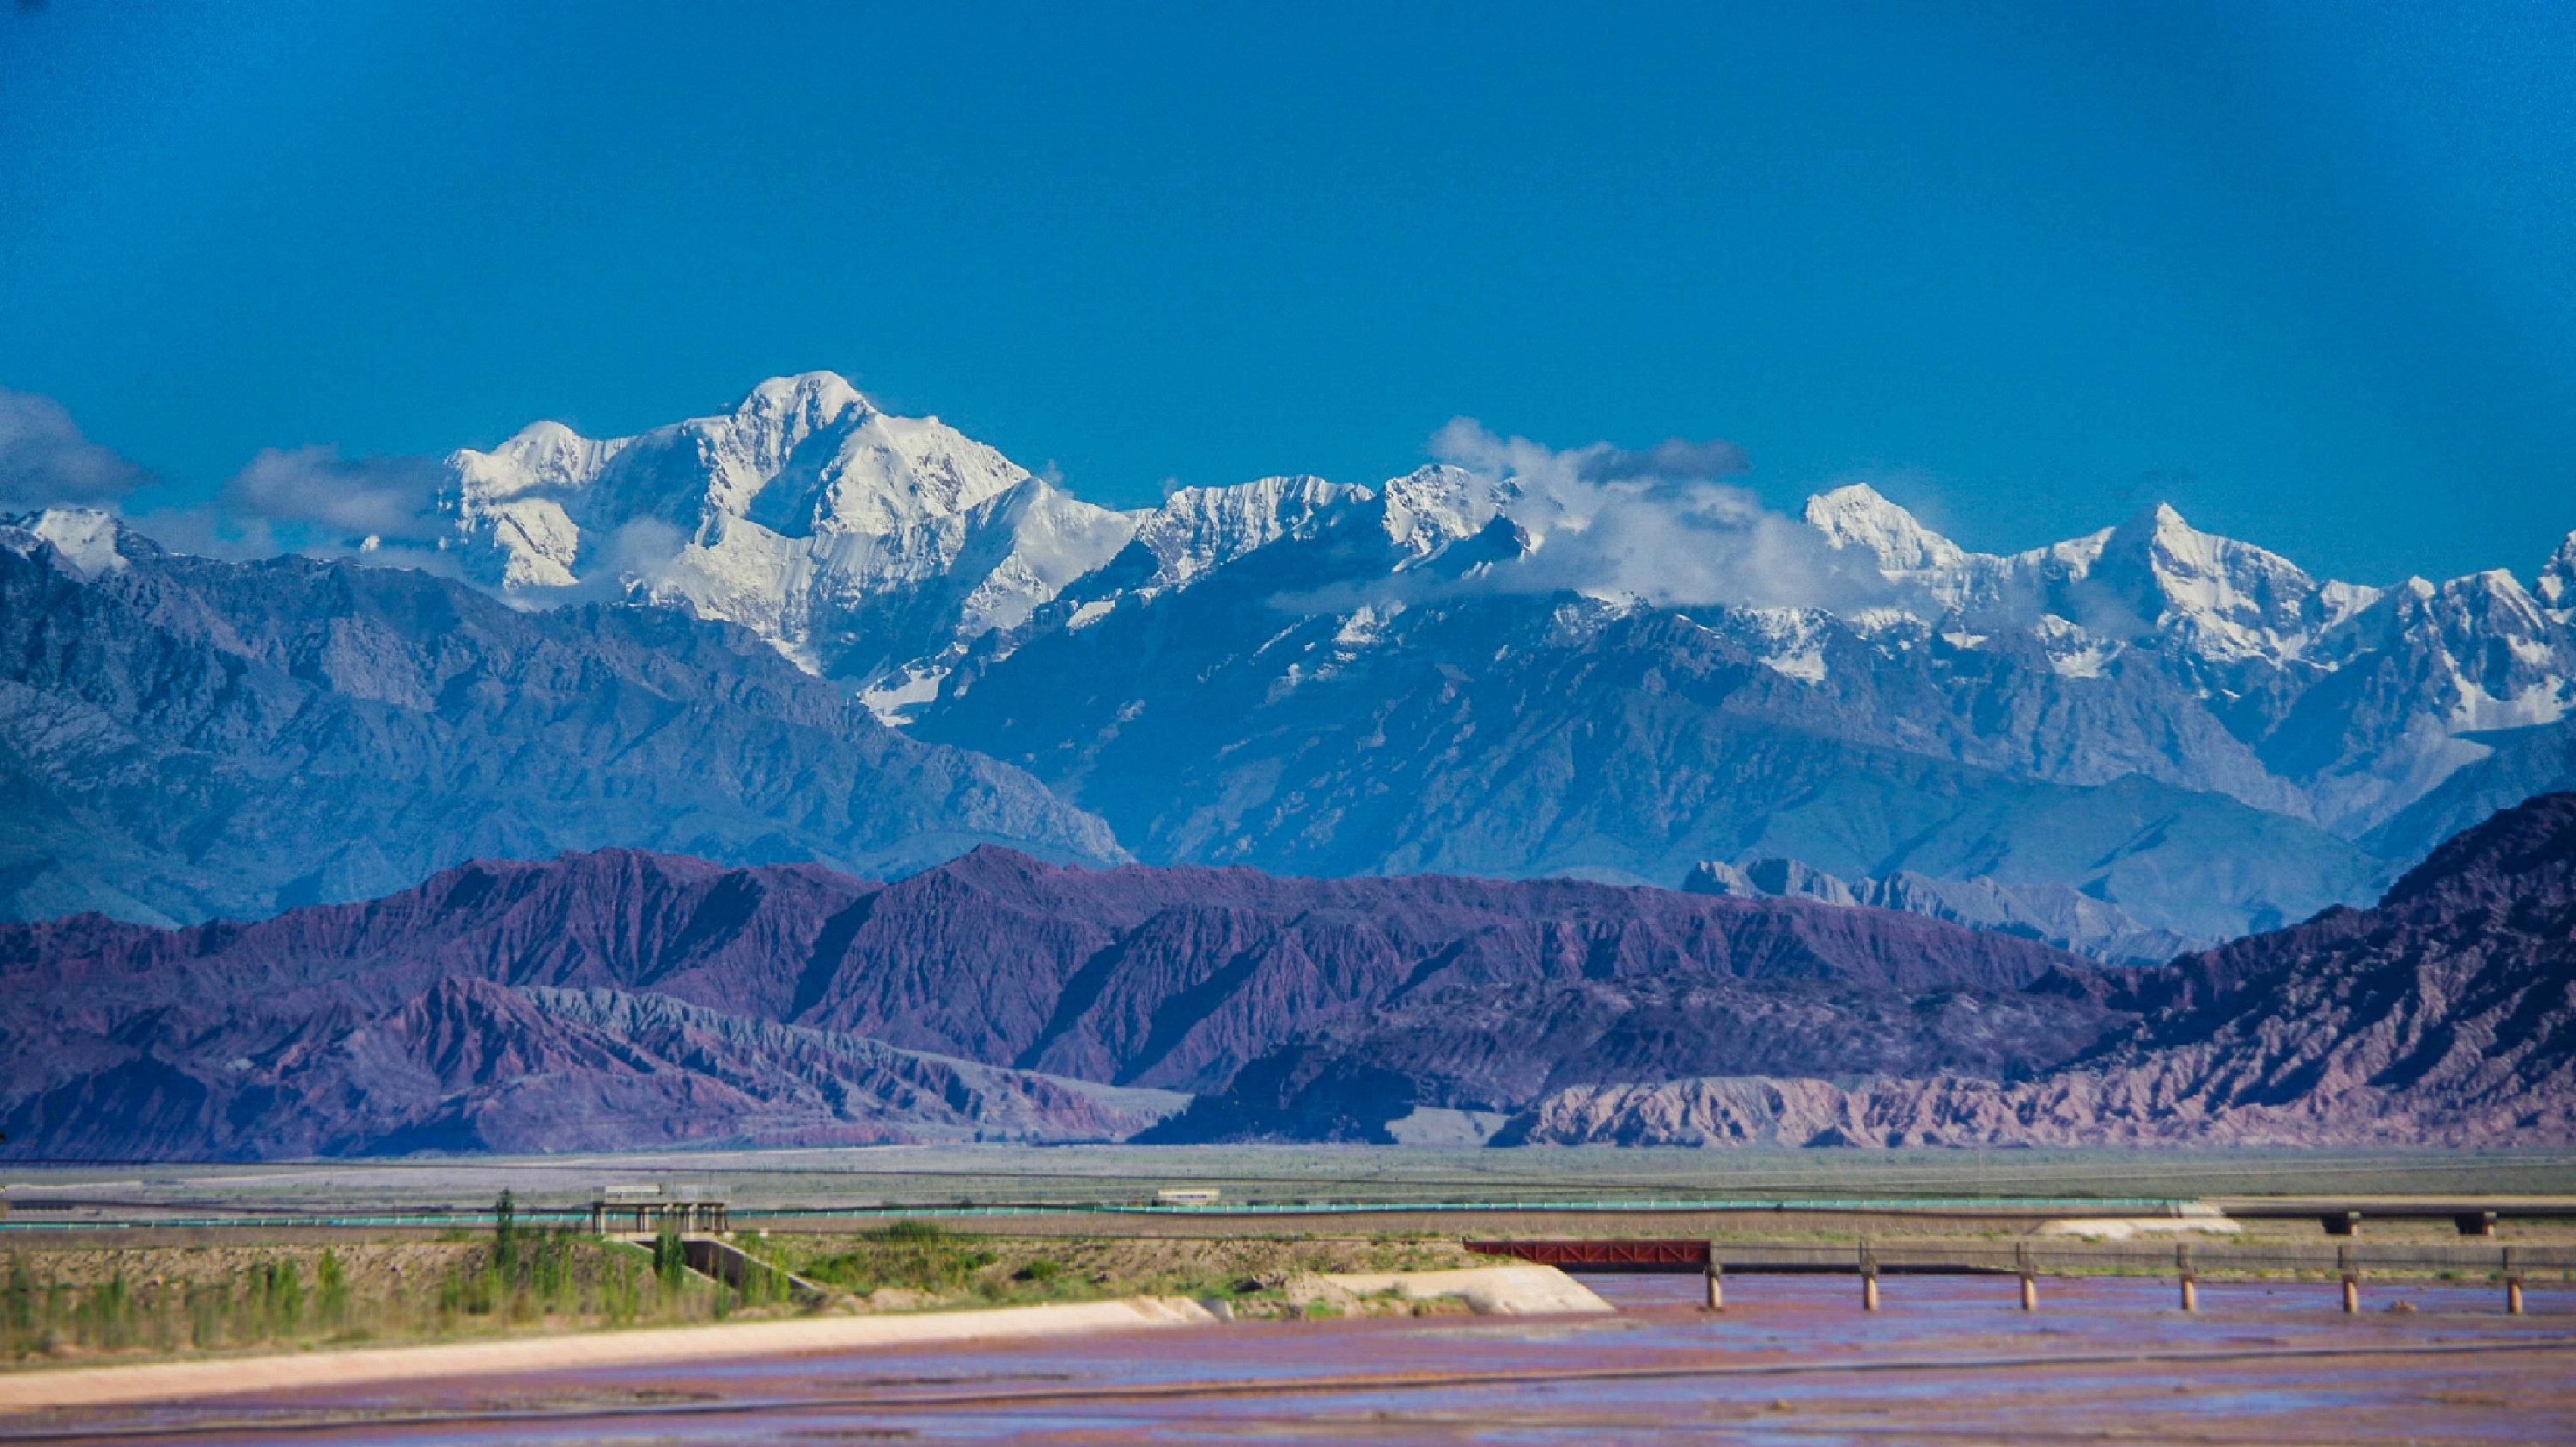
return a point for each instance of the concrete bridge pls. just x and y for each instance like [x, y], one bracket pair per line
[2030, 1259]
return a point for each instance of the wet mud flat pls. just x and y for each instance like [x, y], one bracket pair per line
[1791, 1360]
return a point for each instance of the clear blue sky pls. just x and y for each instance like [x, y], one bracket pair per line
[2308, 271]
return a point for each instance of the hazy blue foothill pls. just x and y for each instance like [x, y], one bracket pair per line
[185, 738]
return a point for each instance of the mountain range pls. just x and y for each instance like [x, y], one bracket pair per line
[1592, 666]
[624, 998]
[806, 629]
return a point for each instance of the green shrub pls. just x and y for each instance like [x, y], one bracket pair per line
[331, 1290]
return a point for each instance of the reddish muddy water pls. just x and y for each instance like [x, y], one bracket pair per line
[1792, 1360]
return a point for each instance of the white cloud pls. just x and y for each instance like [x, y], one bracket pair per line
[344, 499]
[1656, 525]
[46, 462]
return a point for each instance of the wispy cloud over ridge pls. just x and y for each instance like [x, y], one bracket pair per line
[304, 499]
[1659, 525]
[387, 498]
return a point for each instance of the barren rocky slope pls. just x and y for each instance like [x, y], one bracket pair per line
[2445, 1015]
[628, 998]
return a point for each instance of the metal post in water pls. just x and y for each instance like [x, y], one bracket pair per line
[1716, 1284]
[2512, 1286]
[2029, 1282]
[2351, 1281]
[1868, 1278]
[2190, 1279]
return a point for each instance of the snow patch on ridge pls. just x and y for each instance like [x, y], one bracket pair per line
[1200, 529]
[84, 540]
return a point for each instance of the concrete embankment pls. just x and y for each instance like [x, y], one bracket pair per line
[179, 1381]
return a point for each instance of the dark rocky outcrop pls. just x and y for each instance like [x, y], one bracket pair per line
[1496, 1050]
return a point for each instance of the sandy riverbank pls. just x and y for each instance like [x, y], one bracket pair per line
[177, 1381]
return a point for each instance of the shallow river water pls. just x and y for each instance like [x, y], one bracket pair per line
[1792, 1360]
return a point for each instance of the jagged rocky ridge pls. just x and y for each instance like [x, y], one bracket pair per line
[182, 738]
[2445, 1015]
[627, 998]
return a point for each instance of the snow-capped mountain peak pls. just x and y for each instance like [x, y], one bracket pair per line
[885, 474]
[790, 513]
[806, 402]
[1431, 507]
[1858, 516]
[83, 541]
[542, 457]
[2226, 599]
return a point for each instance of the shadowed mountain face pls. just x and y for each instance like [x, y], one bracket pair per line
[2445, 1015]
[630, 998]
[1177, 977]
[182, 738]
